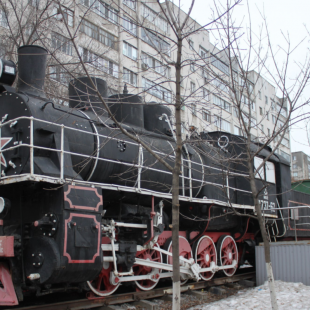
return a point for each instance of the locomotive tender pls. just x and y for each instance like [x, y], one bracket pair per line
[84, 207]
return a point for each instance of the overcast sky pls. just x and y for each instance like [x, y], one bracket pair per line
[287, 16]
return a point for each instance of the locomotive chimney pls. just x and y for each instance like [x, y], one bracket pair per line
[31, 69]
[82, 94]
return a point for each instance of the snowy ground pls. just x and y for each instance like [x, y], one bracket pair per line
[289, 296]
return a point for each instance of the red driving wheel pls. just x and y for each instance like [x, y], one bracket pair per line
[102, 285]
[227, 252]
[205, 253]
[150, 255]
[185, 250]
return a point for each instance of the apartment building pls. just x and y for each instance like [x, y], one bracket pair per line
[114, 47]
[300, 169]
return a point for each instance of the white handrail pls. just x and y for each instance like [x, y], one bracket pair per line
[139, 165]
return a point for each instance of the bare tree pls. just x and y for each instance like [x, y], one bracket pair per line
[244, 88]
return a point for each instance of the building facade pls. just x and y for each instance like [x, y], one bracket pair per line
[300, 168]
[128, 41]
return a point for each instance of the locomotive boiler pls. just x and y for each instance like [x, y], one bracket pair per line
[85, 207]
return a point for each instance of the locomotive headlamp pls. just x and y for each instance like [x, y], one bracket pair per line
[5, 205]
[7, 72]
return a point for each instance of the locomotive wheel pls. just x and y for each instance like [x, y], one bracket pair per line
[102, 285]
[227, 252]
[185, 250]
[205, 253]
[151, 255]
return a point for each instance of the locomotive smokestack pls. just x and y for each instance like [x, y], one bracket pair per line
[82, 94]
[31, 69]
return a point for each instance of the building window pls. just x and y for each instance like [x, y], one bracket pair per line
[3, 19]
[103, 9]
[183, 127]
[246, 120]
[204, 74]
[205, 93]
[98, 62]
[295, 174]
[285, 142]
[63, 14]
[34, 3]
[219, 64]
[221, 123]
[156, 90]
[280, 124]
[203, 53]
[191, 45]
[246, 85]
[130, 77]
[267, 115]
[192, 67]
[236, 112]
[260, 110]
[206, 116]
[31, 33]
[249, 103]
[237, 131]
[193, 87]
[259, 94]
[59, 74]
[2, 49]
[285, 155]
[221, 103]
[194, 109]
[155, 41]
[156, 65]
[130, 3]
[266, 100]
[273, 119]
[262, 128]
[130, 51]
[268, 130]
[61, 43]
[130, 25]
[294, 157]
[219, 86]
[154, 18]
[99, 34]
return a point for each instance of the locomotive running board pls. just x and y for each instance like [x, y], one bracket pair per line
[120, 188]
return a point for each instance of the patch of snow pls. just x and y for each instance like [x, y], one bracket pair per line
[289, 296]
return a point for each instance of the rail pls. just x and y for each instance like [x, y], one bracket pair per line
[186, 164]
[93, 302]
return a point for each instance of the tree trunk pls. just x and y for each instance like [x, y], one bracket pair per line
[175, 184]
[262, 227]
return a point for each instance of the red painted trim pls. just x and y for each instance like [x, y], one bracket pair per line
[65, 253]
[152, 222]
[162, 238]
[7, 293]
[6, 246]
[209, 220]
[289, 217]
[84, 189]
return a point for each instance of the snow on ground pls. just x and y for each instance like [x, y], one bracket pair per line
[289, 296]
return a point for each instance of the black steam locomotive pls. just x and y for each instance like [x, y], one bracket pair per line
[84, 207]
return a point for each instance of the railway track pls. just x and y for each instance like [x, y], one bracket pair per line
[94, 302]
